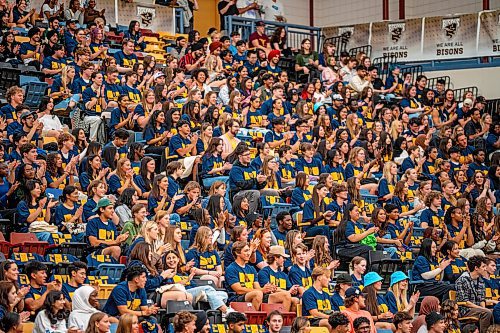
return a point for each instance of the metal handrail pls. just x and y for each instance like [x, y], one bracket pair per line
[295, 32]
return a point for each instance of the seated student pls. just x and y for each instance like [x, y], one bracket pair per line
[300, 272]
[387, 182]
[384, 237]
[101, 231]
[287, 166]
[471, 293]
[312, 166]
[239, 234]
[77, 276]
[95, 103]
[158, 198]
[375, 303]
[401, 200]
[93, 172]
[174, 173]
[16, 127]
[129, 297]
[96, 191]
[39, 287]
[191, 199]
[433, 216]
[242, 284]
[58, 176]
[353, 236]
[397, 298]
[317, 219]
[120, 139]
[460, 231]
[276, 137]
[492, 285]
[35, 212]
[316, 303]
[120, 116]
[301, 193]
[213, 167]
[359, 168]
[342, 283]
[458, 264]
[183, 144]
[207, 263]
[355, 302]
[68, 214]
[273, 274]
[122, 178]
[357, 267]
[285, 224]
[394, 227]
[427, 269]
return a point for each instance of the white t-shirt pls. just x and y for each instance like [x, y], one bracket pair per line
[51, 11]
[252, 13]
[272, 9]
[51, 122]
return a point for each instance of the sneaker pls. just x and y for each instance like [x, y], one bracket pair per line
[228, 311]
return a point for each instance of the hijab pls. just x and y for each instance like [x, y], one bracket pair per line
[429, 304]
[82, 310]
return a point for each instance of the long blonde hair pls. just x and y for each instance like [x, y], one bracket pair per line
[386, 173]
[353, 125]
[64, 77]
[400, 295]
[200, 240]
[125, 323]
[394, 129]
[270, 174]
[354, 153]
[119, 167]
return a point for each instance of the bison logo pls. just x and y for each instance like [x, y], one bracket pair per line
[396, 34]
[451, 30]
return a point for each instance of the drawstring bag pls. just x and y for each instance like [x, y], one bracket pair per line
[370, 241]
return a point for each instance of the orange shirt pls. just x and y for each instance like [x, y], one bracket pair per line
[352, 315]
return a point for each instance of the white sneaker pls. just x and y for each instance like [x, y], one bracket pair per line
[228, 311]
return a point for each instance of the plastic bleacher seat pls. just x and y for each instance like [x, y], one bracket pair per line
[57, 258]
[61, 238]
[288, 317]
[21, 237]
[253, 316]
[35, 91]
[318, 330]
[28, 327]
[105, 291]
[7, 248]
[22, 258]
[54, 192]
[100, 280]
[77, 250]
[112, 271]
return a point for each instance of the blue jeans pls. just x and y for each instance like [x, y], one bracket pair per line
[215, 298]
[45, 236]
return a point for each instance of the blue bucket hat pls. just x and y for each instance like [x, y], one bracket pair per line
[371, 277]
[398, 276]
[316, 106]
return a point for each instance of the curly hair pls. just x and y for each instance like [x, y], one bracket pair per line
[447, 309]
[52, 165]
[431, 196]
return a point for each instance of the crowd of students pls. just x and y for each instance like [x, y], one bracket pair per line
[172, 170]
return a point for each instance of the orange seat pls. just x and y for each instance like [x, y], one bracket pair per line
[253, 316]
[21, 237]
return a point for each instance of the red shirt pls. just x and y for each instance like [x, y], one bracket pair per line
[262, 39]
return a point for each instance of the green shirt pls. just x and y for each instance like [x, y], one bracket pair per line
[133, 230]
[303, 59]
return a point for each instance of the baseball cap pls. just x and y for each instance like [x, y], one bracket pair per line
[104, 202]
[26, 114]
[252, 217]
[278, 250]
[344, 278]
[353, 291]
[468, 102]
[337, 97]
[260, 24]
[157, 75]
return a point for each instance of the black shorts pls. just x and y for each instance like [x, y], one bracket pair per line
[315, 321]
[241, 298]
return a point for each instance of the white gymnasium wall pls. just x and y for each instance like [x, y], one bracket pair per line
[486, 79]
[297, 11]
[335, 12]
